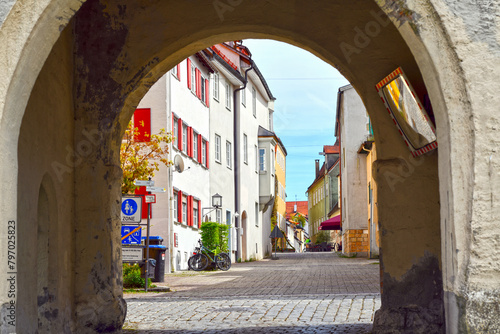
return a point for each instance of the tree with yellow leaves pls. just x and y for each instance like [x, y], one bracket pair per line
[140, 159]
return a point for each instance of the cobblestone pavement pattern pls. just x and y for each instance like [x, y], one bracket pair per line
[298, 293]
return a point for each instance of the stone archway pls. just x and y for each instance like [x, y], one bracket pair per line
[116, 60]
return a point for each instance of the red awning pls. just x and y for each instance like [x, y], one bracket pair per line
[331, 224]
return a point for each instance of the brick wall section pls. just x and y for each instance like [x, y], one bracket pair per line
[356, 241]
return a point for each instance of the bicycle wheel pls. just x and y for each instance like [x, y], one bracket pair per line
[198, 262]
[223, 261]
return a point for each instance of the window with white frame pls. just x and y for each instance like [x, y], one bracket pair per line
[175, 206]
[204, 152]
[217, 148]
[175, 72]
[254, 102]
[195, 213]
[203, 92]
[184, 209]
[262, 159]
[216, 86]
[176, 132]
[228, 154]
[218, 215]
[193, 78]
[228, 96]
[245, 149]
[184, 137]
[244, 96]
[195, 145]
[272, 162]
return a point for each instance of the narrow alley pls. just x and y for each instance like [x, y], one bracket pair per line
[298, 293]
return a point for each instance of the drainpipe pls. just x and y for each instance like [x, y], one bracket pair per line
[236, 140]
[339, 96]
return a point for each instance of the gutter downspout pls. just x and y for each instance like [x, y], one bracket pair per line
[339, 96]
[236, 140]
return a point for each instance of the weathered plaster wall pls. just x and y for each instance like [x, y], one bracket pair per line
[458, 53]
[46, 157]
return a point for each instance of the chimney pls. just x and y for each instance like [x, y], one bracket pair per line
[317, 167]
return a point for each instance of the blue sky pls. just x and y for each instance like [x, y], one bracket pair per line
[305, 88]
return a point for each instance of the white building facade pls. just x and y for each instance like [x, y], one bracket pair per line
[215, 113]
[353, 130]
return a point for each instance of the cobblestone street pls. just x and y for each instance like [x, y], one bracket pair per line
[298, 293]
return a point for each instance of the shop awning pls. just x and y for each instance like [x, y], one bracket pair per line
[331, 224]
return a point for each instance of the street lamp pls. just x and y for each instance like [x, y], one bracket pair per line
[216, 204]
[216, 201]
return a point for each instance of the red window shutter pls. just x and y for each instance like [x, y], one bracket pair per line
[200, 140]
[190, 210]
[188, 140]
[189, 73]
[179, 132]
[199, 213]
[207, 93]
[191, 136]
[142, 121]
[208, 156]
[142, 191]
[198, 83]
[179, 206]
[179, 71]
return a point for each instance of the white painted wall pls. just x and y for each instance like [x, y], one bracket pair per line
[354, 132]
[221, 176]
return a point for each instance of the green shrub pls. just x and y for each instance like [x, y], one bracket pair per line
[132, 277]
[215, 236]
[323, 236]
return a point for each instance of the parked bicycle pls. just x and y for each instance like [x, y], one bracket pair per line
[201, 258]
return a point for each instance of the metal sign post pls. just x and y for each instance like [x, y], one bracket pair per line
[276, 233]
[146, 271]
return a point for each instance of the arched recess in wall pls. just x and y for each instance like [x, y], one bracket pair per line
[244, 222]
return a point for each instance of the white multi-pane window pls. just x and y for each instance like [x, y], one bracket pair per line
[245, 149]
[218, 216]
[203, 92]
[228, 96]
[195, 213]
[244, 96]
[262, 159]
[195, 145]
[176, 131]
[175, 206]
[254, 102]
[184, 209]
[228, 154]
[204, 153]
[272, 162]
[216, 86]
[184, 137]
[193, 78]
[217, 148]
